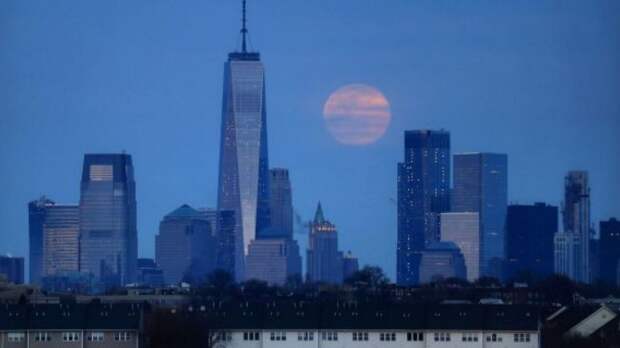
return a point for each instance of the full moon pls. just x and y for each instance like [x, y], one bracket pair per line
[356, 114]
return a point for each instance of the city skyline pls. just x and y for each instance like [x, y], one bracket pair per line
[331, 182]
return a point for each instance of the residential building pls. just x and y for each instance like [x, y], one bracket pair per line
[441, 260]
[481, 186]
[463, 229]
[185, 247]
[324, 261]
[12, 268]
[610, 251]
[244, 168]
[108, 232]
[530, 230]
[423, 194]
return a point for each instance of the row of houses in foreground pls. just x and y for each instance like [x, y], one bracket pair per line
[276, 324]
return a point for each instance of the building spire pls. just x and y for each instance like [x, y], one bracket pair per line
[318, 216]
[244, 30]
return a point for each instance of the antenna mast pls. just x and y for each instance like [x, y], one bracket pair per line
[244, 30]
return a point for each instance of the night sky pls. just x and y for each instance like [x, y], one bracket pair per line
[538, 80]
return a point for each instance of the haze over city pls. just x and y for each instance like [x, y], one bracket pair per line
[538, 81]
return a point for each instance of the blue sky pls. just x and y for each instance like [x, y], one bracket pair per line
[538, 80]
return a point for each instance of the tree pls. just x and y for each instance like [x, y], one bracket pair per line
[369, 276]
[165, 328]
[488, 282]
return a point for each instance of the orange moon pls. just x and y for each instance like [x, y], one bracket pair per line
[357, 114]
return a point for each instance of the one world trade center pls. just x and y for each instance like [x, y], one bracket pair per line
[244, 169]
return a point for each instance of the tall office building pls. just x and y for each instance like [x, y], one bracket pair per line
[350, 265]
[273, 260]
[463, 229]
[530, 230]
[36, 217]
[185, 247]
[281, 202]
[481, 186]
[574, 257]
[61, 232]
[223, 222]
[108, 234]
[441, 260]
[610, 251]
[423, 194]
[12, 268]
[244, 167]
[324, 261]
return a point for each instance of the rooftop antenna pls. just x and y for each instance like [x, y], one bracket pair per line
[244, 31]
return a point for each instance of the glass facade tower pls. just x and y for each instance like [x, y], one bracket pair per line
[244, 168]
[423, 194]
[481, 186]
[108, 234]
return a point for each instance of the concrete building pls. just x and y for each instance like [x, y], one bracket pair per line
[273, 260]
[324, 261]
[423, 194]
[481, 186]
[530, 230]
[36, 218]
[441, 260]
[463, 229]
[12, 268]
[108, 232]
[185, 247]
[149, 273]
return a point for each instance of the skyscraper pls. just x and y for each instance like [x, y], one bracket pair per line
[481, 186]
[223, 222]
[529, 239]
[441, 260]
[324, 261]
[350, 265]
[12, 268]
[574, 257]
[423, 193]
[36, 217]
[108, 234]
[273, 260]
[244, 167]
[463, 229]
[281, 202]
[610, 251]
[185, 247]
[61, 232]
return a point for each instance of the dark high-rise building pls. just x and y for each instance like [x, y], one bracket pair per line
[223, 222]
[350, 265]
[324, 261]
[481, 186]
[185, 247]
[441, 260]
[108, 234]
[573, 245]
[281, 207]
[244, 167]
[423, 194]
[36, 217]
[530, 230]
[609, 251]
[149, 273]
[12, 268]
